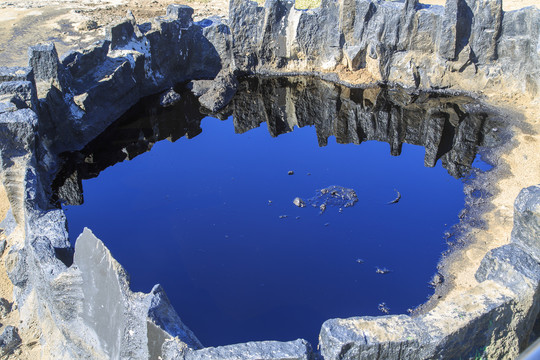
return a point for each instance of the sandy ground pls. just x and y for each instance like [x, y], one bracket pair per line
[523, 165]
[26, 22]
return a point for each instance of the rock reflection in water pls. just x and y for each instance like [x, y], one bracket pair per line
[451, 128]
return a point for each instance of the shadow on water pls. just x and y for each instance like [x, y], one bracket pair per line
[218, 228]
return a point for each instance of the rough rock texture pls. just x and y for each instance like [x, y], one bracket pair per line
[9, 340]
[526, 231]
[220, 92]
[262, 350]
[468, 44]
[120, 318]
[91, 88]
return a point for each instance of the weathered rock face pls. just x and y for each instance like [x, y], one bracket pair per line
[91, 88]
[468, 44]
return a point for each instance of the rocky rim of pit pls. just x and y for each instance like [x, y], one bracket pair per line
[56, 105]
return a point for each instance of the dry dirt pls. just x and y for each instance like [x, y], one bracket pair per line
[27, 22]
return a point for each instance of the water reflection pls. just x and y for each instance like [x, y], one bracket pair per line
[450, 128]
[214, 221]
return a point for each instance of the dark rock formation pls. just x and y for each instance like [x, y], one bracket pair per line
[220, 93]
[467, 44]
[90, 89]
[9, 340]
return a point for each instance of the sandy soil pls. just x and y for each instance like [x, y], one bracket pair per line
[27, 22]
[523, 165]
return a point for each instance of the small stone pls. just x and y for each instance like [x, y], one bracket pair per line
[382, 270]
[169, 98]
[298, 218]
[88, 25]
[326, 224]
[9, 340]
[290, 172]
[383, 308]
[5, 307]
[299, 202]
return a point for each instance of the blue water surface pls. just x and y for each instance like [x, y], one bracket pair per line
[201, 217]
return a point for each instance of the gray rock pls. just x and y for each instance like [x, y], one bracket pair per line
[126, 324]
[5, 307]
[120, 34]
[88, 25]
[299, 202]
[80, 63]
[9, 340]
[182, 13]
[262, 350]
[526, 231]
[200, 87]
[17, 134]
[340, 339]
[21, 93]
[512, 267]
[220, 93]
[43, 59]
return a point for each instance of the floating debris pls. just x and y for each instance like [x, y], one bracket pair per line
[335, 196]
[282, 216]
[383, 270]
[269, 202]
[290, 172]
[360, 261]
[299, 202]
[396, 200]
[322, 207]
[383, 308]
